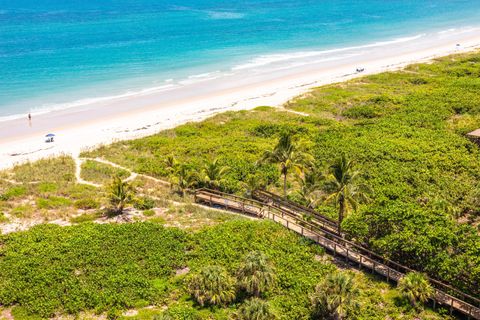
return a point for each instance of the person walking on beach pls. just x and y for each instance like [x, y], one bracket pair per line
[29, 119]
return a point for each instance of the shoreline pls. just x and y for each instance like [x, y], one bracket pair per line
[84, 127]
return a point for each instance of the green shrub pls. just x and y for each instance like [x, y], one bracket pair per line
[88, 217]
[212, 285]
[3, 218]
[255, 309]
[144, 203]
[13, 192]
[359, 112]
[159, 220]
[255, 274]
[149, 213]
[335, 297]
[46, 187]
[22, 211]
[53, 202]
[180, 312]
[418, 81]
[86, 204]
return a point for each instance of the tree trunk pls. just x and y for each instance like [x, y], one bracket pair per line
[120, 208]
[341, 211]
[413, 302]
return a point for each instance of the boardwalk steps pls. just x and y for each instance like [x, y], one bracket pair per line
[445, 295]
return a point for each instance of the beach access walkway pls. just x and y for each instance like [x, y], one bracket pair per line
[320, 231]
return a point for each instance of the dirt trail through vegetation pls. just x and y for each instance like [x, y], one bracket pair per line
[133, 175]
[293, 111]
[78, 172]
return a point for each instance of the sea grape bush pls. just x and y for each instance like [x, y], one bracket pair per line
[87, 267]
[110, 268]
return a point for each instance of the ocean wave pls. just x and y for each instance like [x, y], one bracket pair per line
[459, 31]
[89, 101]
[372, 16]
[179, 8]
[169, 84]
[310, 62]
[224, 15]
[447, 31]
[201, 77]
[212, 14]
[264, 60]
[52, 13]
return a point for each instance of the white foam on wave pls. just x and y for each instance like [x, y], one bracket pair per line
[451, 30]
[201, 77]
[212, 14]
[224, 15]
[300, 63]
[170, 84]
[46, 108]
[275, 58]
[456, 31]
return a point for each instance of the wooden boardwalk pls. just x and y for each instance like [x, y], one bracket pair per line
[297, 210]
[321, 233]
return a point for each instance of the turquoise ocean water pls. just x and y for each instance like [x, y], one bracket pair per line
[56, 54]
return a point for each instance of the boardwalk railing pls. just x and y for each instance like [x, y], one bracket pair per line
[444, 294]
[269, 198]
[274, 200]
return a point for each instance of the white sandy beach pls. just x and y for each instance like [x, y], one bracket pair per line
[88, 126]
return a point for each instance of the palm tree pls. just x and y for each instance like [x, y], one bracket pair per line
[163, 316]
[253, 182]
[212, 285]
[415, 287]
[171, 163]
[309, 191]
[213, 174]
[335, 296]
[288, 156]
[255, 309]
[346, 191]
[120, 194]
[183, 179]
[255, 274]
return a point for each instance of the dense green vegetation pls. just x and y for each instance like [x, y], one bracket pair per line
[100, 267]
[404, 130]
[109, 268]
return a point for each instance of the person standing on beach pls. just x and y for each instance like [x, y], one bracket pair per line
[29, 119]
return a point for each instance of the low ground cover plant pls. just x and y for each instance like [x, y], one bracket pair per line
[51, 270]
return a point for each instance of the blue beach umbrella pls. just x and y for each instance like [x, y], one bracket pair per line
[50, 135]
